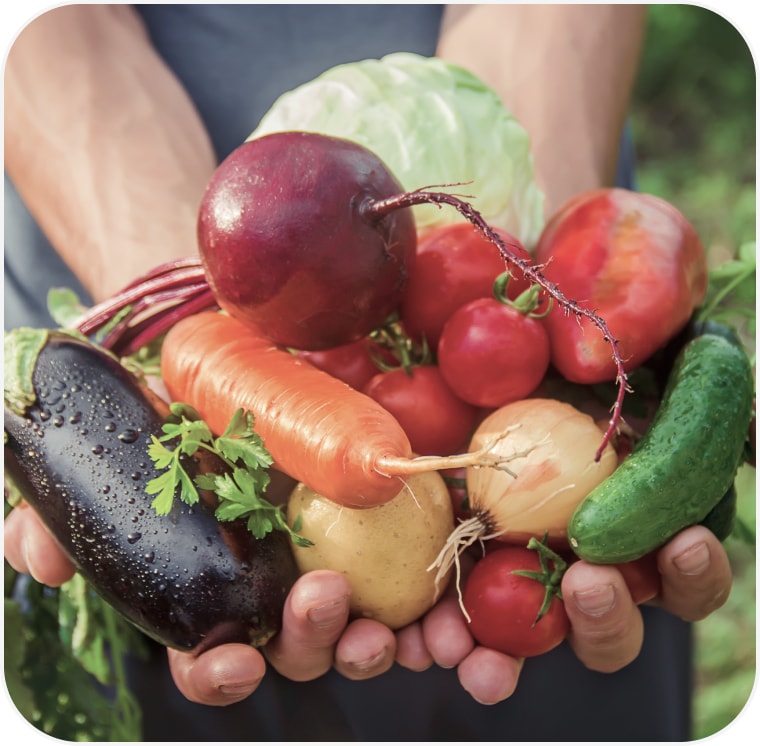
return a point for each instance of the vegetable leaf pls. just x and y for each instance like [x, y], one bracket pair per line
[240, 442]
[64, 307]
[240, 484]
[731, 289]
[174, 477]
[239, 495]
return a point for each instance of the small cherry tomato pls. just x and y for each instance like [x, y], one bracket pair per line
[642, 577]
[504, 606]
[351, 363]
[454, 264]
[490, 353]
[434, 419]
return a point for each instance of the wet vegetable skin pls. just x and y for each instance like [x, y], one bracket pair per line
[80, 455]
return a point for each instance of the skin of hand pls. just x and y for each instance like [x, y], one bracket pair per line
[607, 629]
[97, 231]
[564, 71]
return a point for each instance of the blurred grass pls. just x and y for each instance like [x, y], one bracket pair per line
[694, 124]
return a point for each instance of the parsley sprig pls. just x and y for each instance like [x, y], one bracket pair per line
[240, 488]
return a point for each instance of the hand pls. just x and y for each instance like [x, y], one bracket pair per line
[607, 629]
[315, 636]
[31, 549]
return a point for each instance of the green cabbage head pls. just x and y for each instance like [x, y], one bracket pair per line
[433, 124]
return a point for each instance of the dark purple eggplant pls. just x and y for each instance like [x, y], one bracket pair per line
[79, 454]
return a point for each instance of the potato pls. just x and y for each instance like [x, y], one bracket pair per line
[384, 551]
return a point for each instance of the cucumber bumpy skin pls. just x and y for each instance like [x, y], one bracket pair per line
[684, 464]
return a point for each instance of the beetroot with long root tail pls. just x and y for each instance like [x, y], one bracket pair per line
[306, 238]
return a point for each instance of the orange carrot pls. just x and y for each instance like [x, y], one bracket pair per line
[319, 430]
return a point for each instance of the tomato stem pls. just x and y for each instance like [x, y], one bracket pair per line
[549, 576]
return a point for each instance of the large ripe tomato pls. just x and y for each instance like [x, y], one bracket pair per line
[453, 265]
[434, 419]
[635, 260]
[491, 353]
[503, 606]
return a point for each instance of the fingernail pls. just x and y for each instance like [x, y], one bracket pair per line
[595, 601]
[238, 690]
[694, 561]
[370, 664]
[329, 613]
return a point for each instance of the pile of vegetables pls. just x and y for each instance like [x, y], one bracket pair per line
[342, 346]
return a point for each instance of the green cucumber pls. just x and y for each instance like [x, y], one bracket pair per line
[682, 467]
[722, 517]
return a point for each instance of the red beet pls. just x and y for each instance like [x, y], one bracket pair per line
[289, 246]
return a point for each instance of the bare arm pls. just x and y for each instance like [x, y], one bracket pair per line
[103, 144]
[565, 72]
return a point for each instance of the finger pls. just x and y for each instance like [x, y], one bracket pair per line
[411, 651]
[219, 676]
[314, 617]
[31, 549]
[696, 574]
[366, 649]
[607, 629]
[489, 676]
[446, 634]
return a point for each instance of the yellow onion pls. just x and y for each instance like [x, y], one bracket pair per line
[536, 492]
[548, 466]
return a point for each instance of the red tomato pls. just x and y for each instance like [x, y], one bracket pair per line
[453, 265]
[642, 577]
[456, 483]
[503, 606]
[351, 363]
[435, 420]
[491, 354]
[635, 260]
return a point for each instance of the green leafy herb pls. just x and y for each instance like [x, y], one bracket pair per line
[65, 652]
[244, 477]
[64, 307]
[731, 289]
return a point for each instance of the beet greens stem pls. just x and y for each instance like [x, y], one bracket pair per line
[101, 313]
[378, 209]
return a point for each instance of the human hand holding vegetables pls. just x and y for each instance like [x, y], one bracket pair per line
[441, 637]
[607, 629]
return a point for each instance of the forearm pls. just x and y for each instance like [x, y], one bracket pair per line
[565, 72]
[103, 144]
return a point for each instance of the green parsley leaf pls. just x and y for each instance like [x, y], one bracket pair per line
[242, 483]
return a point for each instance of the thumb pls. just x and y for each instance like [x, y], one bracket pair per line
[315, 615]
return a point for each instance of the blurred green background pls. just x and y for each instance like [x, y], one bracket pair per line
[694, 124]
